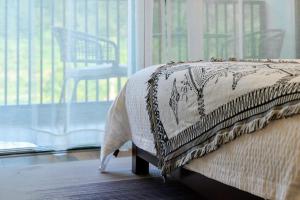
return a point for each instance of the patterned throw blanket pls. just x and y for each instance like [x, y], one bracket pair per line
[194, 108]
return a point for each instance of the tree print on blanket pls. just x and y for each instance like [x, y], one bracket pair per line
[173, 102]
[196, 78]
[199, 77]
[239, 75]
[290, 73]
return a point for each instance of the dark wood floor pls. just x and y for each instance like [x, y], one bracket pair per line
[22, 175]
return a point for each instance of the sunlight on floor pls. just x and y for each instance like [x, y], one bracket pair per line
[16, 145]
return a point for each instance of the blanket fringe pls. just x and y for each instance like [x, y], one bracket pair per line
[225, 136]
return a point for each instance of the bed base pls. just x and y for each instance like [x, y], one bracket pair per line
[205, 187]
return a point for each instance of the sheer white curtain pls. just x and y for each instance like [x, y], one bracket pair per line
[140, 29]
[242, 29]
[62, 63]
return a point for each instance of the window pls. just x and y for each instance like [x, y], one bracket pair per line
[244, 29]
[50, 97]
[63, 62]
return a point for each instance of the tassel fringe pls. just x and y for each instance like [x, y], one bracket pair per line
[225, 136]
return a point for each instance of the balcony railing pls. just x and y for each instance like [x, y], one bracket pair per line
[220, 25]
[34, 63]
[31, 69]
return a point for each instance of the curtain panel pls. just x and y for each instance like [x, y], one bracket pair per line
[63, 62]
[241, 29]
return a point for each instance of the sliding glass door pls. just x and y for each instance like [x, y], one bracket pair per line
[62, 63]
[205, 29]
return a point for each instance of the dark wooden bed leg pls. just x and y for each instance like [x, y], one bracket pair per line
[139, 165]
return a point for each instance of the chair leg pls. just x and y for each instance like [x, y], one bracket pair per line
[74, 92]
[63, 92]
[68, 106]
[60, 114]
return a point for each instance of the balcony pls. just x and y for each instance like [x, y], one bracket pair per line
[33, 103]
[230, 29]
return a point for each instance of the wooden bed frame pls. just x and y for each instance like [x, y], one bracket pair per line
[205, 187]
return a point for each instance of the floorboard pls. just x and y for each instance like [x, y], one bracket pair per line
[24, 175]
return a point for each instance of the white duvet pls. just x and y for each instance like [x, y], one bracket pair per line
[266, 163]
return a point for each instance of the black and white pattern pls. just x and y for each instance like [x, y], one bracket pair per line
[210, 104]
[174, 99]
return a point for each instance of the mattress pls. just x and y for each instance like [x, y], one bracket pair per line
[265, 163]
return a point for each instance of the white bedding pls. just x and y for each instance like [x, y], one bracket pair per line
[270, 167]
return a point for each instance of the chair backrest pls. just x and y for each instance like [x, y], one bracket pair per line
[78, 47]
[264, 44]
[258, 45]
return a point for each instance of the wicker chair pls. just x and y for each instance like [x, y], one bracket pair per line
[98, 58]
[265, 44]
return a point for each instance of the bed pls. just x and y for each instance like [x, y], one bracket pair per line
[264, 164]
